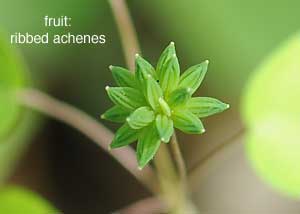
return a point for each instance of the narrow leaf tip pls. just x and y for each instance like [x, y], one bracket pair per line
[107, 88]
[163, 139]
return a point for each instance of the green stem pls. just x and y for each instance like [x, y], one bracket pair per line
[173, 191]
[179, 159]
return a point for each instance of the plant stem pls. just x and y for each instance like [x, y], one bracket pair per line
[126, 30]
[81, 121]
[179, 160]
[173, 191]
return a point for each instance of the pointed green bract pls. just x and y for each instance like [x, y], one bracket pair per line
[187, 122]
[126, 97]
[169, 75]
[123, 77]
[167, 54]
[193, 77]
[148, 144]
[140, 118]
[143, 69]
[164, 106]
[164, 127]
[116, 114]
[124, 136]
[205, 106]
[179, 97]
[154, 92]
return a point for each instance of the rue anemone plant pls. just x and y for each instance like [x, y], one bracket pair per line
[151, 102]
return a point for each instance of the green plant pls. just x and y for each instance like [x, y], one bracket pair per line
[271, 110]
[152, 102]
[19, 200]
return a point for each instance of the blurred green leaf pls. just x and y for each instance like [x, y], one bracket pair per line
[16, 124]
[12, 77]
[17, 200]
[271, 110]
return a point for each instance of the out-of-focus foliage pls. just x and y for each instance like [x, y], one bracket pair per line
[12, 78]
[16, 123]
[84, 66]
[271, 111]
[17, 200]
[234, 35]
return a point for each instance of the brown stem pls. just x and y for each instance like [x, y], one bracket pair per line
[81, 121]
[126, 30]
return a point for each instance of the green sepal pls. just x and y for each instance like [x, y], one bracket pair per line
[143, 70]
[206, 106]
[126, 97]
[124, 136]
[123, 77]
[179, 97]
[166, 55]
[187, 122]
[193, 77]
[116, 114]
[148, 144]
[164, 127]
[169, 75]
[164, 106]
[153, 92]
[140, 118]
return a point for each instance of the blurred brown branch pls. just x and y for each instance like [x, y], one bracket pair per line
[215, 151]
[43, 103]
[151, 205]
[126, 30]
